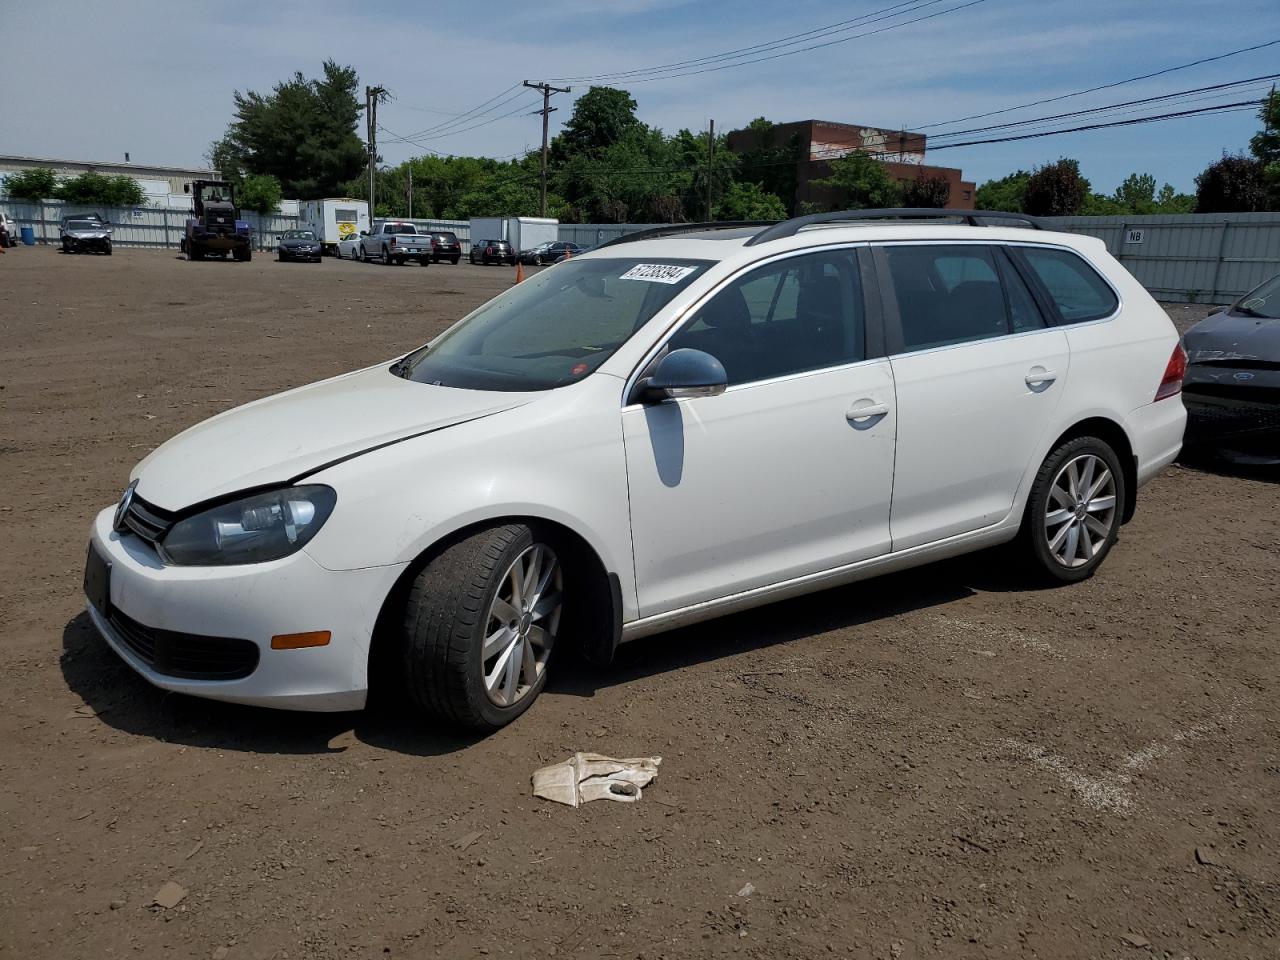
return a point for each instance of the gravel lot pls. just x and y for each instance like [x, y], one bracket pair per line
[936, 764]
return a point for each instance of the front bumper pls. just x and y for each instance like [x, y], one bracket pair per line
[1236, 411]
[254, 603]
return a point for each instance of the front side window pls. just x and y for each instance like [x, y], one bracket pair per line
[1074, 286]
[802, 313]
[553, 329]
[956, 293]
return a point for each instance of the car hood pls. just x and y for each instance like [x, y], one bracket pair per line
[289, 435]
[1228, 336]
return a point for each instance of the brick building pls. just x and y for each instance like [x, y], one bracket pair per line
[822, 141]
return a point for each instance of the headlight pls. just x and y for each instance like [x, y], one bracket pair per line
[265, 526]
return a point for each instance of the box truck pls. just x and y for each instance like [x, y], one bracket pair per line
[333, 219]
[523, 233]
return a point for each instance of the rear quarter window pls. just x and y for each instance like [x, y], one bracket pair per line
[1075, 288]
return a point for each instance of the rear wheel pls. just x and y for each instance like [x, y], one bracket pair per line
[106, 248]
[480, 624]
[364, 255]
[1074, 511]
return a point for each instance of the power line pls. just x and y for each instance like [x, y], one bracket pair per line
[475, 112]
[816, 46]
[1221, 108]
[1114, 106]
[759, 47]
[1104, 86]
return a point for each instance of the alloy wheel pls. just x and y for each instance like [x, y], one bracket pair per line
[521, 625]
[1081, 510]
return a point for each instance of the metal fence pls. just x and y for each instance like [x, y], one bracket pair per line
[1192, 258]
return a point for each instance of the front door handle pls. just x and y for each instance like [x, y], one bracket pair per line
[1038, 378]
[864, 410]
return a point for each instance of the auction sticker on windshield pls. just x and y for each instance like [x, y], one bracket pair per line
[658, 272]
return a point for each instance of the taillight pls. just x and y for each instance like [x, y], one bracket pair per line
[1171, 382]
[489, 250]
[393, 241]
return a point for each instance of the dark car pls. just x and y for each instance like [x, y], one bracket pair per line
[445, 246]
[550, 252]
[493, 251]
[576, 251]
[1232, 386]
[299, 245]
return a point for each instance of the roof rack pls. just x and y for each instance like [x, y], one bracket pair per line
[672, 229]
[974, 218]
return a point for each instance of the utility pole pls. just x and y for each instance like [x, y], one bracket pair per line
[546, 111]
[372, 96]
[410, 191]
[711, 156]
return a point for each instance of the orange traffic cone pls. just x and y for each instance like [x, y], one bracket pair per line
[568, 254]
[519, 272]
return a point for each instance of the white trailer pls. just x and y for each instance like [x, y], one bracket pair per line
[523, 233]
[333, 219]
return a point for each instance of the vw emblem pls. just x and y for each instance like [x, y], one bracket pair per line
[117, 522]
[1242, 376]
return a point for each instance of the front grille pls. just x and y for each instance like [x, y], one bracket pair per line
[221, 221]
[148, 522]
[186, 656]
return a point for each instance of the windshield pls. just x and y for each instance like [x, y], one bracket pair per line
[83, 225]
[1263, 301]
[299, 235]
[210, 193]
[553, 329]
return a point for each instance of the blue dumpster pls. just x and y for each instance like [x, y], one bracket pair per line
[28, 236]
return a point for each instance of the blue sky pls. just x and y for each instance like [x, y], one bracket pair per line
[91, 80]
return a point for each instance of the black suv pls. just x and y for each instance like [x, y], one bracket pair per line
[445, 246]
[493, 251]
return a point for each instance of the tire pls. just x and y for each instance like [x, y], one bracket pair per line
[1065, 536]
[456, 602]
[455, 260]
[107, 248]
[364, 255]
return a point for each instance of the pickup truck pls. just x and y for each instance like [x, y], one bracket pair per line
[395, 241]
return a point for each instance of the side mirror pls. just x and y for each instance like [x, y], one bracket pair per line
[364, 233]
[684, 373]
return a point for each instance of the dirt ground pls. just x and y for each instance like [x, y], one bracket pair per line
[937, 764]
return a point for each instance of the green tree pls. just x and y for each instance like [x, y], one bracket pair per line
[1137, 194]
[303, 133]
[1234, 184]
[748, 201]
[224, 157]
[933, 191]
[37, 183]
[1169, 200]
[1055, 190]
[96, 189]
[1005, 194]
[602, 117]
[863, 182]
[1265, 147]
[260, 192]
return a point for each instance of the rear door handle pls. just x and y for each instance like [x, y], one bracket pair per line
[863, 410]
[1040, 379]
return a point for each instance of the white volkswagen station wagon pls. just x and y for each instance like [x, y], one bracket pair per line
[680, 424]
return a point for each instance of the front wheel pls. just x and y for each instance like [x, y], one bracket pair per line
[480, 624]
[106, 248]
[1075, 509]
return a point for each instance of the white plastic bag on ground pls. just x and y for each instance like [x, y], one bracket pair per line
[590, 776]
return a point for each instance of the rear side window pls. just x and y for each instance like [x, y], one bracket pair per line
[1074, 287]
[949, 294]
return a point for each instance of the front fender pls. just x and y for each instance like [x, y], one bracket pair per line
[558, 458]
